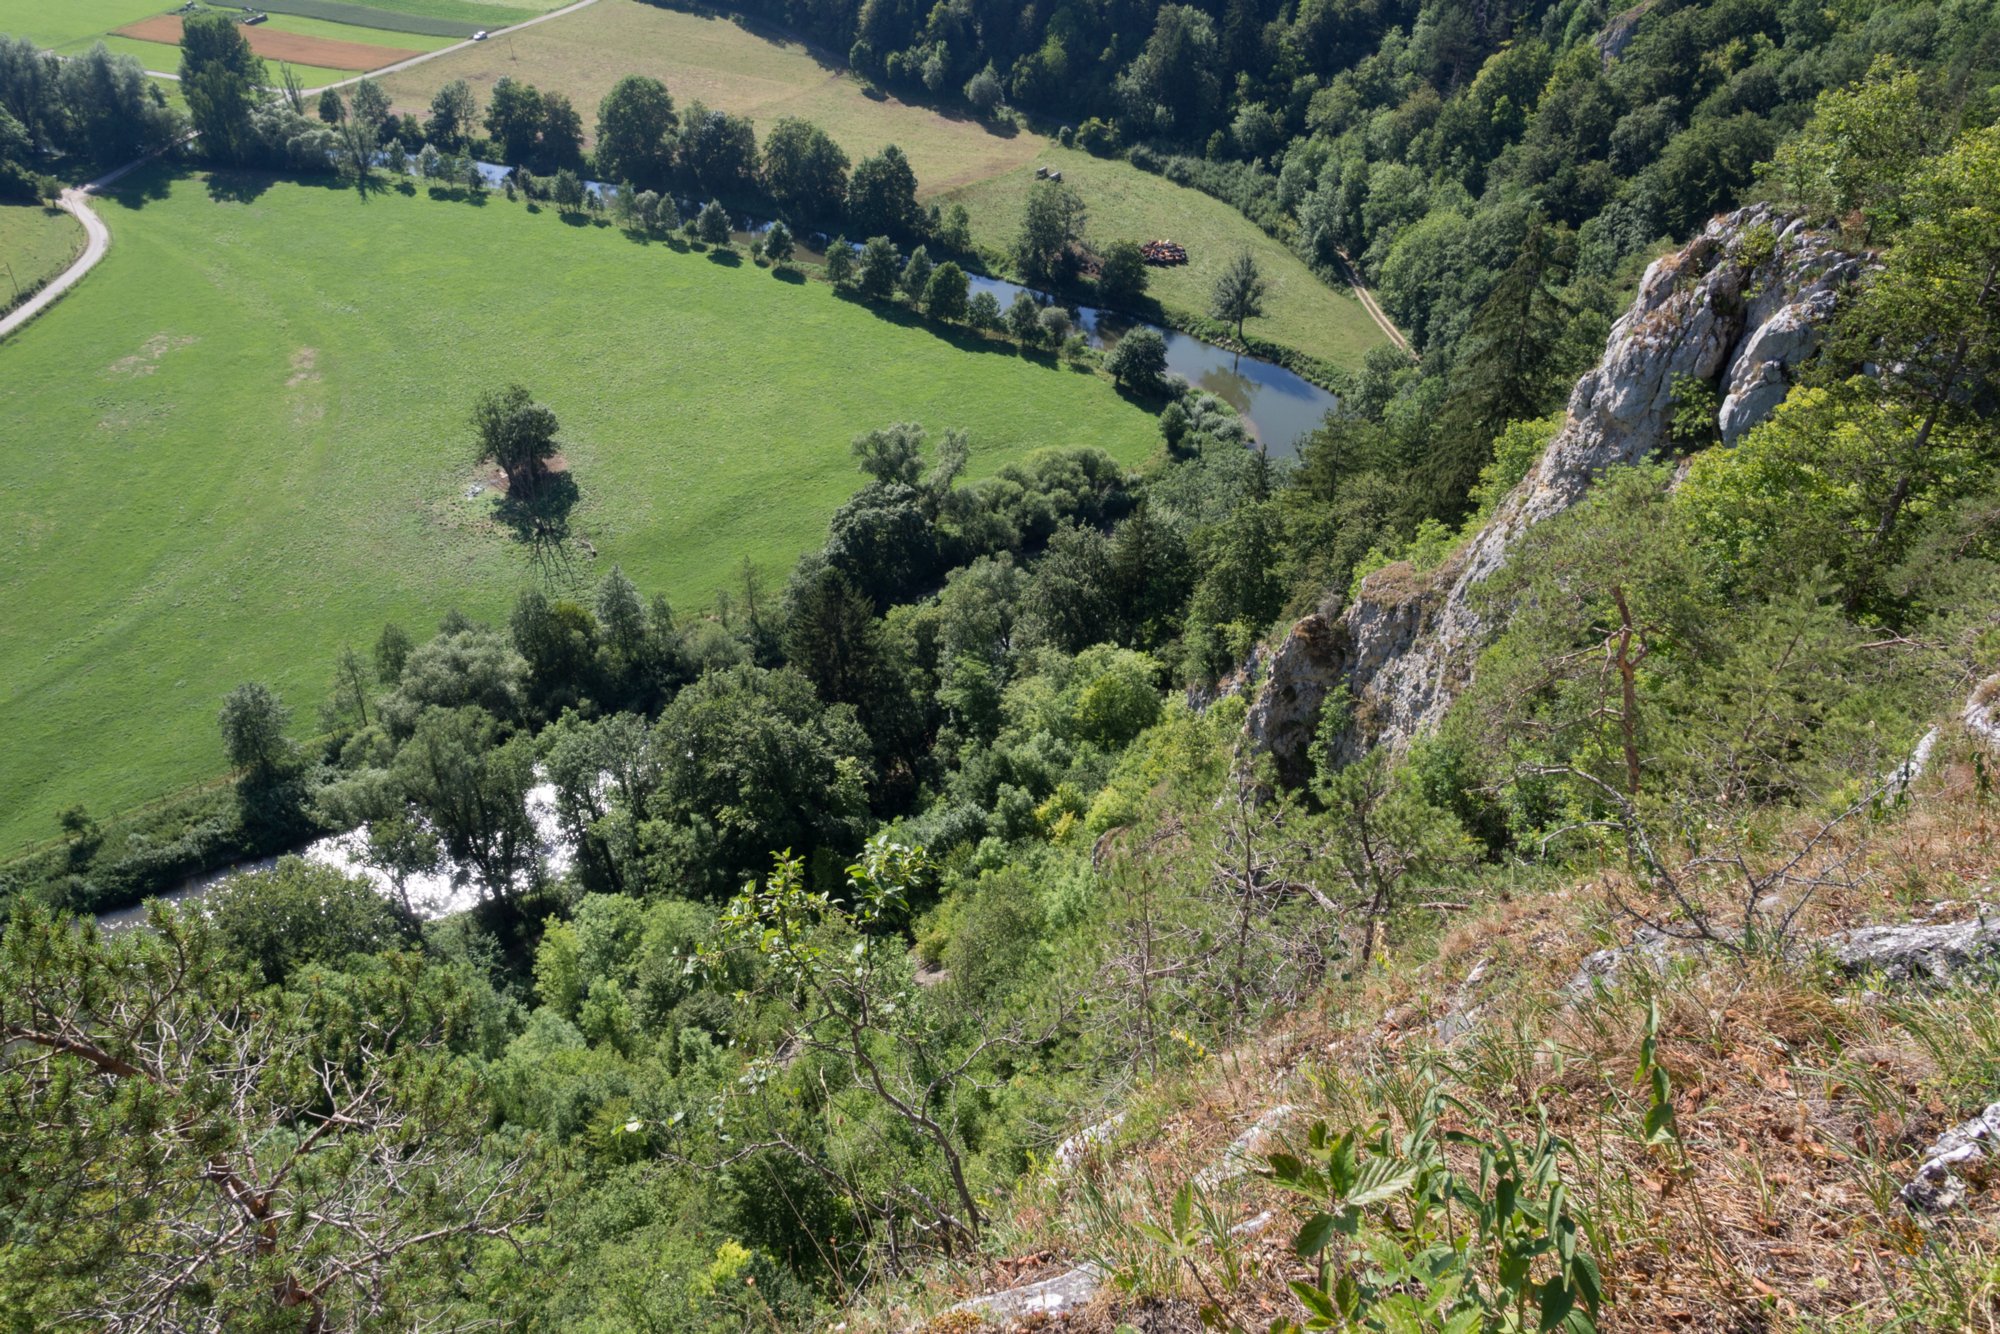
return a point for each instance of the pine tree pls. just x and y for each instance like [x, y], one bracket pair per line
[1512, 368]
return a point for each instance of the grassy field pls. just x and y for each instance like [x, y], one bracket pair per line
[1125, 203]
[36, 243]
[347, 32]
[249, 446]
[719, 62]
[71, 25]
[715, 61]
[167, 60]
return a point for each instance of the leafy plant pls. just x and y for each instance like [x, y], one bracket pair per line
[1500, 1248]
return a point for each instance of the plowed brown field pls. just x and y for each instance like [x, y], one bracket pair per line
[288, 46]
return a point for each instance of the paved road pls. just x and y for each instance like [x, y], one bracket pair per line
[75, 201]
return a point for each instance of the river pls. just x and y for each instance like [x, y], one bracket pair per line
[438, 893]
[1280, 407]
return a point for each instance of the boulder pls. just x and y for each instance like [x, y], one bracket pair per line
[1918, 953]
[1966, 1155]
[1050, 1297]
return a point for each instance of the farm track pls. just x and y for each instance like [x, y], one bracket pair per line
[76, 200]
[1366, 297]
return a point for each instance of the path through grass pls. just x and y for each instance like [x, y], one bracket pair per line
[241, 442]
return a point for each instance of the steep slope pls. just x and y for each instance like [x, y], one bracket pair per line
[1738, 309]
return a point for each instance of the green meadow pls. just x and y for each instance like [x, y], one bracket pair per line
[756, 74]
[242, 442]
[36, 244]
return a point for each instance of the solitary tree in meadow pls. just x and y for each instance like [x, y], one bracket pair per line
[515, 433]
[1239, 292]
[1051, 230]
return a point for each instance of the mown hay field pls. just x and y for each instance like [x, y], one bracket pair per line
[242, 442]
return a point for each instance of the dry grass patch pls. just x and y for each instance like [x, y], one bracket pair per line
[1801, 1103]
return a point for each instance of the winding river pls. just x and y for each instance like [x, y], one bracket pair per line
[1280, 406]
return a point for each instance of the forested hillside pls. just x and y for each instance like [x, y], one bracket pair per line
[1528, 865]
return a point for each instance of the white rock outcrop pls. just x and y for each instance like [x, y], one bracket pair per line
[1739, 308]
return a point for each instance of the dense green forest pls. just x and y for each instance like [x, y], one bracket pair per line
[892, 877]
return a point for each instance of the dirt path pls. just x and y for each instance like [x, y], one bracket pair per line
[1367, 300]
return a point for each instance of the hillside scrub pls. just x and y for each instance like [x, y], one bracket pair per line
[934, 923]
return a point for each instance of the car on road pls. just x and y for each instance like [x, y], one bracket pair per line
[479, 36]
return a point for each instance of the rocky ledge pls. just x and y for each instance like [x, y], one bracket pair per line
[1739, 308]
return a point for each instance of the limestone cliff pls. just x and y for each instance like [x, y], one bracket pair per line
[1740, 308]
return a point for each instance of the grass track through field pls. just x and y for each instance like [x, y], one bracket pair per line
[249, 446]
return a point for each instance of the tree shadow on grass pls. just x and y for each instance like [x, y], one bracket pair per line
[729, 259]
[142, 188]
[229, 186]
[960, 336]
[539, 521]
[789, 275]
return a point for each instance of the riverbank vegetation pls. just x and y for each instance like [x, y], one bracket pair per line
[986, 163]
